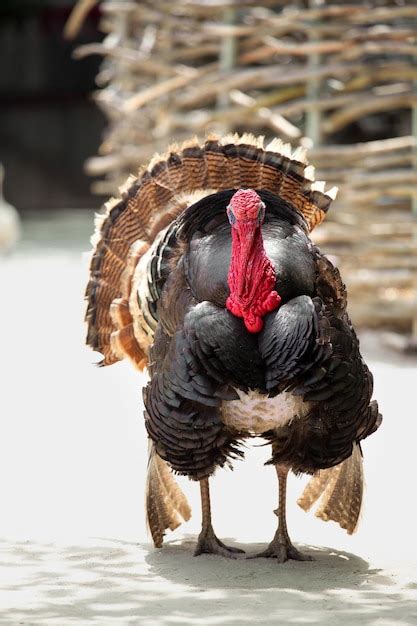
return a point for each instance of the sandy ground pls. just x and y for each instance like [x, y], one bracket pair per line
[74, 547]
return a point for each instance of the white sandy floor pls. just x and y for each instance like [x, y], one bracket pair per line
[74, 548]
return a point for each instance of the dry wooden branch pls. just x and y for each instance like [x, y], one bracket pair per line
[260, 78]
[156, 91]
[367, 106]
[134, 59]
[277, 122]
[367, 148]
[77, 17]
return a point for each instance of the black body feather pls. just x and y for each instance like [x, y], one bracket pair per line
[202, 353]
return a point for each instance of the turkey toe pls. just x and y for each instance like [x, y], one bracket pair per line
[282, 551]
[210, 544]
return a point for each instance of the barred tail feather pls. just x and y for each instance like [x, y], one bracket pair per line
[340, 489]
[166, 504]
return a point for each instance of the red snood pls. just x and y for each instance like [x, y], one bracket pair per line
[251, 277]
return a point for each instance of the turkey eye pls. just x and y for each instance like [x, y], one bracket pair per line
[231, 215]
[261, 212]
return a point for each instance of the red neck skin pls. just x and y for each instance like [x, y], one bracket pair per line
[251, 276]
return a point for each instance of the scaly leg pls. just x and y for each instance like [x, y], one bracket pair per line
[207, 540]
[281, 547]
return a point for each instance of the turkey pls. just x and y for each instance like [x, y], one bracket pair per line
[204, 273]
[9, 221]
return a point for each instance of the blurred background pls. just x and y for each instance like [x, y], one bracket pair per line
[89, 90]
[49, 123]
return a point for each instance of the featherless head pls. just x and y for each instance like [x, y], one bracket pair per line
[245, 205]
[252, 276]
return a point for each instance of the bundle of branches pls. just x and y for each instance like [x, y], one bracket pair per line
[330, 71]
[373, 232]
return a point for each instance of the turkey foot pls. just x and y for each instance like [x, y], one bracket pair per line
[281, 549]
[208, 543]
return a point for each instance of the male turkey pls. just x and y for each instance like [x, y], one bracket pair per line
[204, 273]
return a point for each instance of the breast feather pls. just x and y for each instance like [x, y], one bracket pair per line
[256, 413]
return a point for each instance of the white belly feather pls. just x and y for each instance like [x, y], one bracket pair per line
[255, 413]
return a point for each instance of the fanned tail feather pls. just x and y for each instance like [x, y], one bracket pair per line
[340, 489]
[152, 200]
[166, 504]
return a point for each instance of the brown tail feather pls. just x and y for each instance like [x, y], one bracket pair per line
[165, 502]
[149, 200]
[340, 489]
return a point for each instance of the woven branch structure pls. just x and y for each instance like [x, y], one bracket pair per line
[308, 72]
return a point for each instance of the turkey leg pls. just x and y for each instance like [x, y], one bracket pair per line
[207, 541]
[281, 547]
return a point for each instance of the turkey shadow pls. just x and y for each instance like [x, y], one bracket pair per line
[336, 586]
[331, 569]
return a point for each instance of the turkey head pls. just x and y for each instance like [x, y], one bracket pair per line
[251, 275]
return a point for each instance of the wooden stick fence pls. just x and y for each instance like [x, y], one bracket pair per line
[325, 69]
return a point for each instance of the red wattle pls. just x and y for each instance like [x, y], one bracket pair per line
[254, 325]
[251, 277]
